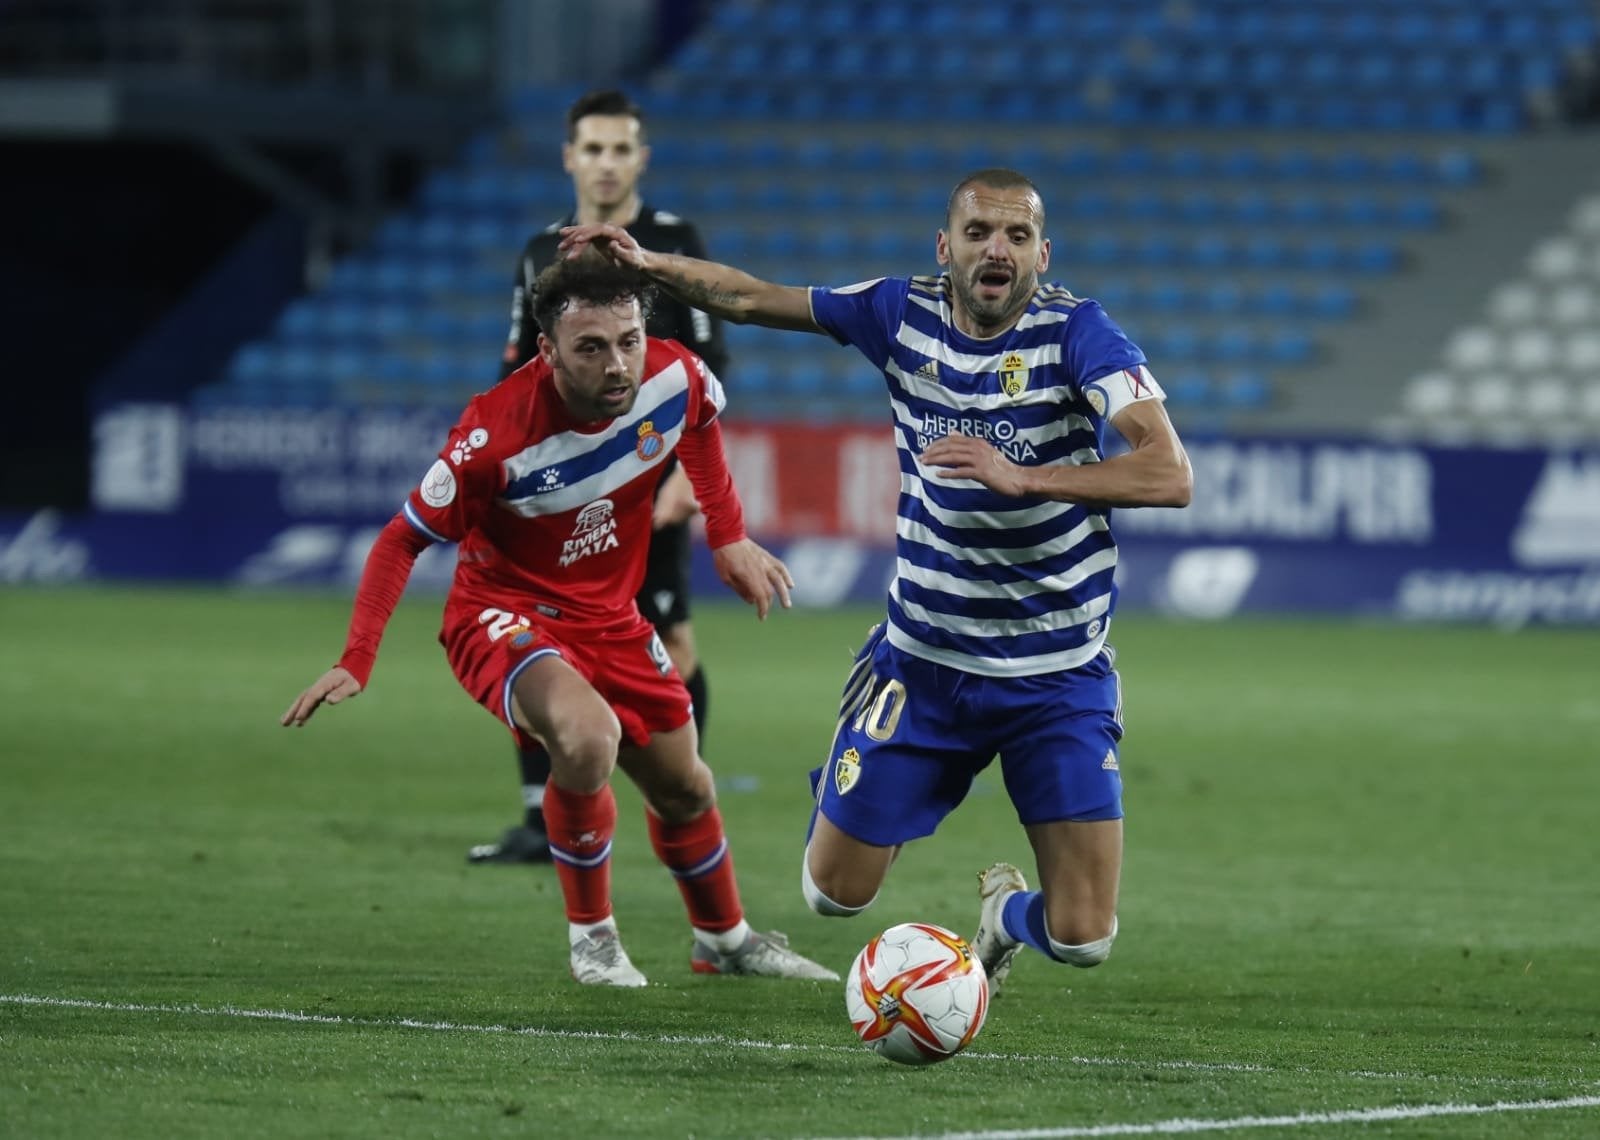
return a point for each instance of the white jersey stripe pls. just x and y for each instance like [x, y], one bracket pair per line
[998, 665]
[981, 588]
[909, 530]
[972, 520]
[551, 491]
[916, 341]
[1012, 627]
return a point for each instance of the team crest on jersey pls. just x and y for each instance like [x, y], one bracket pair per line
[650, 443]
[594, 530]
[1013, 374]
[847, 770]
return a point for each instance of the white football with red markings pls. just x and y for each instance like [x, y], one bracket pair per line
[917, 994]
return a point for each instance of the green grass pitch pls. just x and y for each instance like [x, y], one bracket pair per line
[1361, 897]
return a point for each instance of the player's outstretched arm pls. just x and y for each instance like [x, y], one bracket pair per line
[329, 689]
[754, 574]
[721, 289]
[383, 580]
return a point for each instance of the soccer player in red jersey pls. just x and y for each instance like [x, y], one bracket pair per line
[546, 483]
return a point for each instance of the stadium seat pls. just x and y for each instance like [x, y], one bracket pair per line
[300, 321]
[1188, 389]
[1224, 299]
[1472, 350]
[1431, 396]
[1582, 356]
[1576, 305]
[1244, 391]
[1491, 397]
[1548, 399]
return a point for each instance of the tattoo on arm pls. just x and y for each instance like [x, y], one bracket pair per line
[700, 292]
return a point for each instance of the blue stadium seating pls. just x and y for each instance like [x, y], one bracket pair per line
[1230, 259]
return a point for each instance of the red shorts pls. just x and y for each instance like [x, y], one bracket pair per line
[628, 666]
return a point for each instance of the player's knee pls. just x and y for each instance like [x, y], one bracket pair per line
[583, 754]
[1085, 954]
[680, 803]
[824, 902]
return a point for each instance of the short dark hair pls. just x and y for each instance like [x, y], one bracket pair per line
[607, 102]
[588, 279]
[998, 177]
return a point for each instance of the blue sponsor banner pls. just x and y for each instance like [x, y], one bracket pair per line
[267, 496]
[1338, 527]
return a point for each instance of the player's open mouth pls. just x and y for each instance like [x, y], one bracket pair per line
[994, 279]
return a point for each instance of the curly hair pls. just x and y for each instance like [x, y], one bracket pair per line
[589, 279]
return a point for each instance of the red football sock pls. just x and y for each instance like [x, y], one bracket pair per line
[581, 827]
[697, 855]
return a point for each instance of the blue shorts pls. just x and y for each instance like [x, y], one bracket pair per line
[914, 734]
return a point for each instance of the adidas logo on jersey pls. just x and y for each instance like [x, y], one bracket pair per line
[1109, 764]
[927, 370]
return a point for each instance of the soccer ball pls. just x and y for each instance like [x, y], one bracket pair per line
[917, 994]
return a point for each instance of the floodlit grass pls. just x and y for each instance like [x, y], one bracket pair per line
[1362, 872]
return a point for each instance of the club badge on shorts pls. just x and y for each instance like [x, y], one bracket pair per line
[847, 770]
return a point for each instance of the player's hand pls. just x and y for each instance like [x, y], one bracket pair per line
[963, 457]
[675, 501]
[754, 574]
[609, 241]
[332, 687]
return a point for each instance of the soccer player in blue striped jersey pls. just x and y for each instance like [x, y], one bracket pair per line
[1001, 389]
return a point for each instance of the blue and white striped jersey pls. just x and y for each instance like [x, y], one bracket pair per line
[985, 582]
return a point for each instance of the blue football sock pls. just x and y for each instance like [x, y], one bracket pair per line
[1023, 918]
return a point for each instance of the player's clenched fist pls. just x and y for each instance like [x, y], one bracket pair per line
[330, 688]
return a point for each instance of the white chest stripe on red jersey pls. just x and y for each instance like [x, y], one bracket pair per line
[566, 471]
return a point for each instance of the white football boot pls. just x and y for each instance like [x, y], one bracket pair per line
[598, 959]
[993, 946]
[762, 955]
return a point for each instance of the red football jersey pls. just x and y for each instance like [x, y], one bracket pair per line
[559, 512]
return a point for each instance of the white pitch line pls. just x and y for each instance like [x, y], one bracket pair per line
[1189, 1125]
[574, 1034]
[725, 1041]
